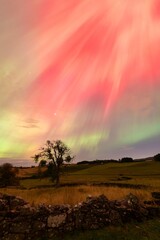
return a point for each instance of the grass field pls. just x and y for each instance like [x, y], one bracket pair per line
[74, 195]
[134, 174]
[150, 230]
[142, 173]
[138, 173]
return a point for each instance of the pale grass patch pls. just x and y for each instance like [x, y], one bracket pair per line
[74, 195]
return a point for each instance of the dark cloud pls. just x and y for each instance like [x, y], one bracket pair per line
[30, 123]
[29, 126]
[31, 120]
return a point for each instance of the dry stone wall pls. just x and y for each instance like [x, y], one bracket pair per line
[20, 221]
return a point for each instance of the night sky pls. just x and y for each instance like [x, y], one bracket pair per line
[83, 71]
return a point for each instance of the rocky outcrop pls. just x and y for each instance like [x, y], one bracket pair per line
[20, 221]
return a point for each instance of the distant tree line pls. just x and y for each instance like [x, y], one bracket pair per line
[122, 160]
[97, 161]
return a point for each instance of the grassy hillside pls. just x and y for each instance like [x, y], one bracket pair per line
[134, 174]
[77, 182]
[142, 173]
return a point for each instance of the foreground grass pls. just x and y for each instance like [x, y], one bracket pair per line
[74, 195]
[150, 230]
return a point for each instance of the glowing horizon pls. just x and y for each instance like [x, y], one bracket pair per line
[85, 72]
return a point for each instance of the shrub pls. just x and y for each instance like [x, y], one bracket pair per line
[8, 175]
[126, 159]
[157, 157]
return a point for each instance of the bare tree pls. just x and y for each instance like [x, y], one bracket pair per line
[55, 153]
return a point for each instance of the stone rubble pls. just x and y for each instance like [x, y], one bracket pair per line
[20, 221]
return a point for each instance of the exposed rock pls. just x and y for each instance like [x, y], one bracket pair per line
[3, 205]
[56, 221]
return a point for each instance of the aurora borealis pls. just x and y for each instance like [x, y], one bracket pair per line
[83, 71]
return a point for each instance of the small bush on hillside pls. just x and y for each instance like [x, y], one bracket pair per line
[8, 175]
[157, 157]
[126, 159]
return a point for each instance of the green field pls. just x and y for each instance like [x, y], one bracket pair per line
[138, 173]
[115, 180]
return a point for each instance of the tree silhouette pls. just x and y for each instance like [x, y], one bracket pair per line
[157, 157]
[55, 153]
[126, 159]
[8, 175]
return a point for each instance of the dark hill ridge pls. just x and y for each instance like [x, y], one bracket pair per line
[124, 159]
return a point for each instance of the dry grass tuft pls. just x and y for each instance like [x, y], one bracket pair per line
[74, 195]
